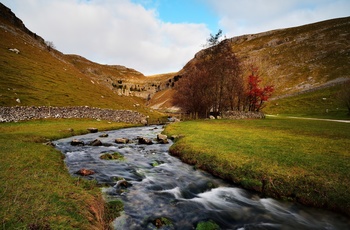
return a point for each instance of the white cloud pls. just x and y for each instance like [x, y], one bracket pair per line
[113, 32]
[253, 16]
[126, 33]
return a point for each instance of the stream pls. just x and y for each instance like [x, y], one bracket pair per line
[154, 185]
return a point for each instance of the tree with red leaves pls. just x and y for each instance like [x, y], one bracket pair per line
[256, 95]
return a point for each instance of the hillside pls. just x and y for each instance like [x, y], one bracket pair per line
[120, 79]
[295, 60]
[37, 75]
[311, 59]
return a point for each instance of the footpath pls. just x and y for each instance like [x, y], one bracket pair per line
[309, 118]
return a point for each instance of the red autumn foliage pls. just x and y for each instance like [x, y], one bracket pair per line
[256, 95]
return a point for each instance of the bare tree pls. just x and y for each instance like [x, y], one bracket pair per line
[214, 39]
[50, 45]
[226, 75]
[193, 90]
[213, 83]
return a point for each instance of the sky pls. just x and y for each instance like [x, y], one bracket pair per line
[160, 36]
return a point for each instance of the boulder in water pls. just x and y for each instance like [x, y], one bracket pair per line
[162, 139]
[85, 172]
[162, 222]
[145, 141]
[96, 142]
[112, 156]
[92, 130]
[76, 142]
[123, 184]
[122, 140]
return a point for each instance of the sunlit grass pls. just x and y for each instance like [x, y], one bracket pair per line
[303, 160]
[323, 103]
[36, 189]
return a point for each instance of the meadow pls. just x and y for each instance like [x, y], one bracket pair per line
[299, 160]
[321, 103]
[36, 191]
[305, 161]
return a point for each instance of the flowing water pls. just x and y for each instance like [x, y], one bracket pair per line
[159, 185]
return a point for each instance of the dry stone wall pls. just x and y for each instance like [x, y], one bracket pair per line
[243, 115]
[21, 113]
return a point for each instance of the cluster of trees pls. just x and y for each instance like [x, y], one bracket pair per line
[213, 83]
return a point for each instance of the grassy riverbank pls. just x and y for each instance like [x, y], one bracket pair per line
[36, 189]
[300, 160]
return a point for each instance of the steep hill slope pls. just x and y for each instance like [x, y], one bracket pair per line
[300, 58]
[294, 60]
[32, 74]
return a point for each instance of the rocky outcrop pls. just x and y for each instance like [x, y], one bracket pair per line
[21, 113]
[8, 16]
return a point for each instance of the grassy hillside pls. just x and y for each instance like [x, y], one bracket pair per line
[322, 103]
[39, 76]
[299, 58]
[163, 99]
[296, 60]
[107, 75]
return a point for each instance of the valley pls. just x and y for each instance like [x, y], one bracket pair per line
[295, 60]
[64, 95]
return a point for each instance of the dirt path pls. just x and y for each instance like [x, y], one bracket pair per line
[309, 118]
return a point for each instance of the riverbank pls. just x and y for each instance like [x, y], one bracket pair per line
[36, 191]
[299, 160]
[161, 192]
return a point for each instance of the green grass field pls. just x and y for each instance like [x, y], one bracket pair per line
[300, 160]
[36, 189]
[323, 103]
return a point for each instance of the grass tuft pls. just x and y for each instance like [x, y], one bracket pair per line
[207, 225]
